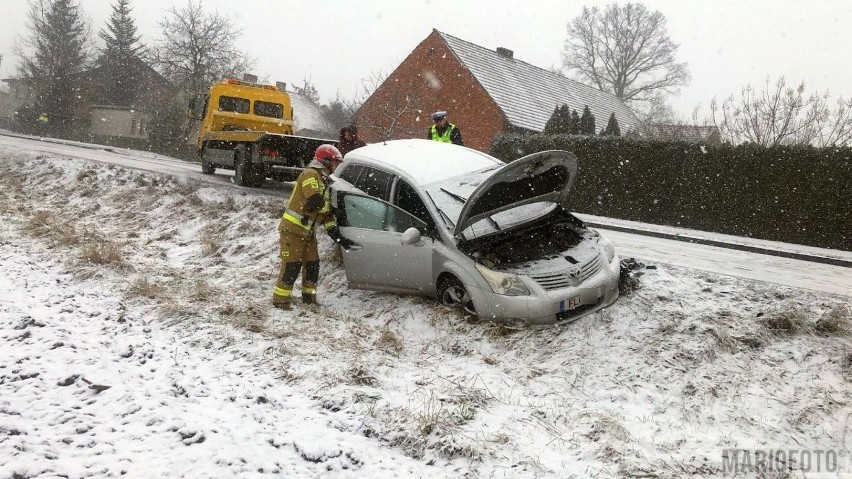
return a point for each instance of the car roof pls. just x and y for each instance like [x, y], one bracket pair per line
[422, 161]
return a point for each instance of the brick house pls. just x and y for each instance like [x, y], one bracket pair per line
[485, 92]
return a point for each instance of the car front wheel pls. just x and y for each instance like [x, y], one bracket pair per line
[451, 292]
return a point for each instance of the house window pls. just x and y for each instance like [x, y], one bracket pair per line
[133, 126]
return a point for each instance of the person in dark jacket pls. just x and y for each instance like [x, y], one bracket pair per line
[444, 131]
[349, 139]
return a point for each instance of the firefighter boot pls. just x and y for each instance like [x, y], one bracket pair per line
[282, 305]
[309, 298]
[282, 298]
[309, 283]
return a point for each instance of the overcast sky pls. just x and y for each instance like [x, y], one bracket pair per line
[335, 44]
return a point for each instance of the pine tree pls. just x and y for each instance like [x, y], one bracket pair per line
[560, 122]
[119, 61]
[52, 57]
[587, 122]
[612, 128]
[551, 125]
[574, 123]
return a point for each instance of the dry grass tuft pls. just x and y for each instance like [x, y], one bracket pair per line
[792, 321]
[202, 291]
[358, 375]
[253, 318]
[389, 342]
[667, 326]
[835, 322]
[142, 286]
[210, 245]
[724, 341]
[46, 224]
[172, 311]
[102, 252]
[86, 174]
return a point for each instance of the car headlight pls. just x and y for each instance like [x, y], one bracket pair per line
[608, 247]
[502, 283]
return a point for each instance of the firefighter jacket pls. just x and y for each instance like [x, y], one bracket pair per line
[309, 205]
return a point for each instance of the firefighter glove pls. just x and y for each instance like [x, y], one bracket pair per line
[346, 243]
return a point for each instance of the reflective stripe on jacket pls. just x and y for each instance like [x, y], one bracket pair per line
[295, 218]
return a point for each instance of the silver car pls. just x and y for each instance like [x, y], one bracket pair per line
[494, 239]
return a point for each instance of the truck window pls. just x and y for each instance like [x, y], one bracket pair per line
[233, 104]
[265, 108]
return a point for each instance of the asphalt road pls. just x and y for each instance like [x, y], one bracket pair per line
[827, 271]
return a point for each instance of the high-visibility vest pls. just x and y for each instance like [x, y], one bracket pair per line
[446, 137]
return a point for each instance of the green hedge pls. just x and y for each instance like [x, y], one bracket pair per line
[799, 195]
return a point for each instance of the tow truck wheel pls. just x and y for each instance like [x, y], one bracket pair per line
[206, 167]
[242, 168]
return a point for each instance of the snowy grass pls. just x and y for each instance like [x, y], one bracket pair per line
[684, 365]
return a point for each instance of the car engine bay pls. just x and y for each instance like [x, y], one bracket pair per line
[549, 236]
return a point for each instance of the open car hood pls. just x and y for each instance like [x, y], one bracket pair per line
[543, 176]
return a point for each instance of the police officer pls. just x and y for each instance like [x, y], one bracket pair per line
[444, 131]
[307, 208]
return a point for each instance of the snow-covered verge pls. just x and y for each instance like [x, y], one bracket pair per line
[159, 288]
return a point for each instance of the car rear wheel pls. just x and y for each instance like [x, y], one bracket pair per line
[451, 292]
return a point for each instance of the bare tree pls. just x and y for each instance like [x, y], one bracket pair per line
[198, 48]
[624, 50]
[308, 90]
[654, 111]
[779, 114]
[386, 118]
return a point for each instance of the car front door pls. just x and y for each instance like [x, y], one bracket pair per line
[380, 261]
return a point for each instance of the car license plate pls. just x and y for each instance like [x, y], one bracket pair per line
[569, 304]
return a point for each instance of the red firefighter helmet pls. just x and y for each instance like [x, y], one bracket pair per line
[329, 156]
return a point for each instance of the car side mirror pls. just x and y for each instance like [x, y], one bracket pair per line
[410, 236]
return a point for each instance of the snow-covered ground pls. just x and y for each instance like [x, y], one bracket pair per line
[136, 338]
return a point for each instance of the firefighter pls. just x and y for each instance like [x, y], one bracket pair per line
[308, 207]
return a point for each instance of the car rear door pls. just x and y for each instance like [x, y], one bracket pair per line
[380, 261]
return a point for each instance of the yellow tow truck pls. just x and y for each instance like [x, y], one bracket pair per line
[248, 127]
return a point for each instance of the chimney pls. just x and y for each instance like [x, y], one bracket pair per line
[281, 85]
[505, 52]
[249, 78]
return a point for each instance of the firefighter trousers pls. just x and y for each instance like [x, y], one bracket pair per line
[298, 255]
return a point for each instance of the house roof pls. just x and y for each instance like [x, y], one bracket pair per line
[688, 133]
[528, 94]
[308, 116]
